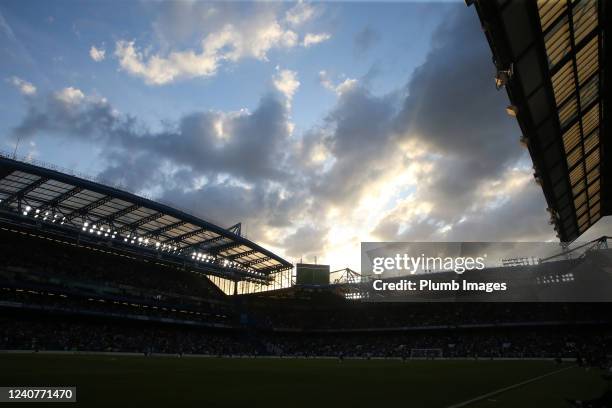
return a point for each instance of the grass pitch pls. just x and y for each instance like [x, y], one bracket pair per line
[107, 381]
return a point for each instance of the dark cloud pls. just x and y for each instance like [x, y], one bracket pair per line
[359, 137]
[452, 100]
[366, 39]
[453, 109]
[521, 218]
[251, 146]
[68, 114]
[306, 241]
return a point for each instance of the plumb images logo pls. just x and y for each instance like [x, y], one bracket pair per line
[411, 264]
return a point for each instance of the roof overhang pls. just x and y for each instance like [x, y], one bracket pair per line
[550, 55]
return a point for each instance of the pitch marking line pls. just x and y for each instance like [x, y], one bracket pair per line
[511, 387]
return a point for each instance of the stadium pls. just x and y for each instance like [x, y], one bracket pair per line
[136, 301]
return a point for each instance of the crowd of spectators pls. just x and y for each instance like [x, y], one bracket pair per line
[484, 343]
[367, 315]
[72, 334]
[115, 336]
[33, 258]
[119, 307]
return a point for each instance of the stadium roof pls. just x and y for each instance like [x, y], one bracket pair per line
[550, 55]
[89, 209]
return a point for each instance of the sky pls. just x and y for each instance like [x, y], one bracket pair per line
[317, 125]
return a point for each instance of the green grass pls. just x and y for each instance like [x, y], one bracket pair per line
[108, 381]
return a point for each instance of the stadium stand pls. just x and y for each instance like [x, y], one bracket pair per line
[64, 287]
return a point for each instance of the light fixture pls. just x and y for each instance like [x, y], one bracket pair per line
[503, 77]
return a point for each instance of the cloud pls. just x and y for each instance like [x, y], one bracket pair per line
[365, 39]
[306, 241]
[97, 54]
[70, 96]
[5, 28]
[287, 83]
[340, 88]
[300, 13]
[470, 144]
[25, 87]
[228, 44]
[241, 144]
[159, 70]
[311, 39]
[231, 38]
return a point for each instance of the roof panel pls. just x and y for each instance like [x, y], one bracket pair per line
[584, 15]
[549, 11]
[557, 42]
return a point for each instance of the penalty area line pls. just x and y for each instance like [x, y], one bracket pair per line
[508, 388]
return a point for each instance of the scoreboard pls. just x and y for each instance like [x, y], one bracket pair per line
[312, 274]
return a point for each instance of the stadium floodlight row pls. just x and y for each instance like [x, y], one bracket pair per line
[550, 55]
[48, 200]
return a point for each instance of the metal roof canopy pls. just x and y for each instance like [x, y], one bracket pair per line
[550, 55]
[112, 216]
